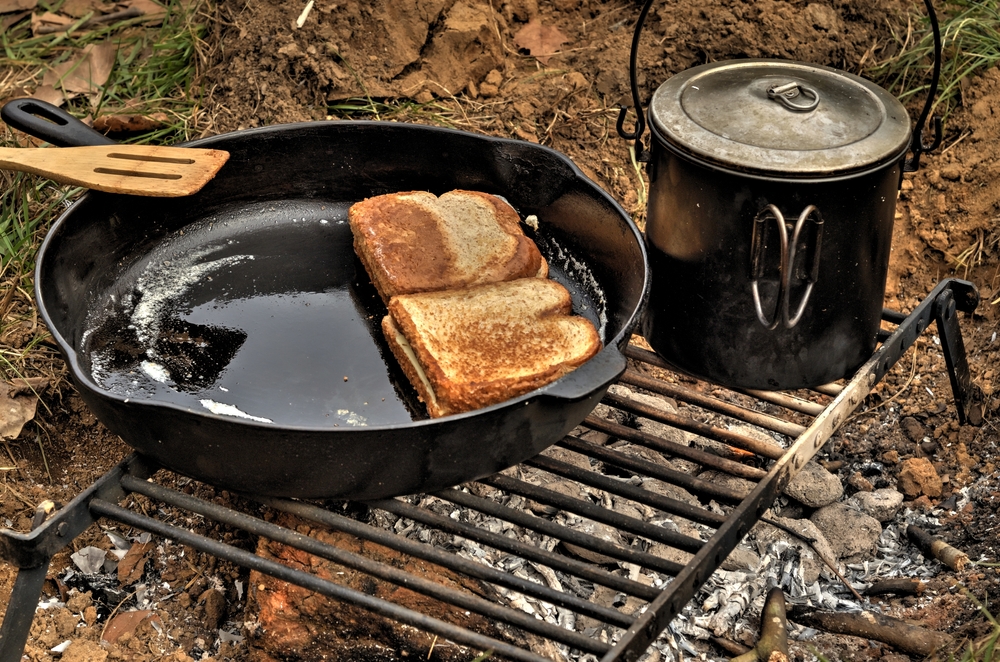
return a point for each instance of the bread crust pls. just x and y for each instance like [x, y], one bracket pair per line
[498, 342]
[409, 242]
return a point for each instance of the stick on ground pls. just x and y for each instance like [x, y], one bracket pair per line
[773, 643]
[937, 548]
[907, 638]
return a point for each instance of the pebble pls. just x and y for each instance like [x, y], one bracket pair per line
[852, 534]
[919, 477]
[860, 483]
[881, 504]
[913, 429]
[814, 486]
[741, 558]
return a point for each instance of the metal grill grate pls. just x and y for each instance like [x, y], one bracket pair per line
[606, 459]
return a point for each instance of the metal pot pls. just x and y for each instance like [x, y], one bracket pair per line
[773, 187]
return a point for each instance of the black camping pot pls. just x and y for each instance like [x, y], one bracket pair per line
[773, 187]
[269, 371]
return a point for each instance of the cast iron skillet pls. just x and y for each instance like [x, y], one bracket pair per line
[246, 299]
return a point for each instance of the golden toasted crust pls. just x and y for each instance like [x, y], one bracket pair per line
[417, 242]
[491, 343]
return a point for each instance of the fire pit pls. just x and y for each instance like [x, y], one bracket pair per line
[570, 541]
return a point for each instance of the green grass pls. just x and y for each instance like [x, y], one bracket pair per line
[155, 71]
[970, 37]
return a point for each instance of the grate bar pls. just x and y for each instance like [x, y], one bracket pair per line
[639, 466]
[560, 532]
[689, 396]
[530, 552]
[789, 402]
[833, 390]
[382, 571]
[311, 582]
[627, 490]
[594, 512]
[447, 560]
[705, 459]
[771, 451]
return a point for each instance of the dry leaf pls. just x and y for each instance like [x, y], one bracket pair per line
[15, 412]
[130, 123]
[7, 6]
[126, 622]
[27, 386]
[133, 564]
[13, 19]
[542, 41]
[50, 94]
[48, 19]
[80, 8]
[148, 8]
[87, 73]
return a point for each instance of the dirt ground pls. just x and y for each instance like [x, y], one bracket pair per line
[463, 63]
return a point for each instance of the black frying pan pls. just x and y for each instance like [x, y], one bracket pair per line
[186, 322]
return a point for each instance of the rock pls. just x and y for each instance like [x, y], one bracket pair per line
[881, 504]
[822, 17]
[83, 650]
[814, 486]
[78, 602]
[952, 172]
[599, 531]
[215, 608]
[650, 426]
[852, 534]
[741, 558]
[860, 483]
[913, 429]
[736, 483]
[65, 622]
[918, 476]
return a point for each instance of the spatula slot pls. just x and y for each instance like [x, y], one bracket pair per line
[149, 157]
[134, 173]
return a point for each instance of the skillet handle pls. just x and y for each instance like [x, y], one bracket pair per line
[596, 373]
[50, 123]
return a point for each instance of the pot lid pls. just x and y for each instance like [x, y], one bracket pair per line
[779, 117]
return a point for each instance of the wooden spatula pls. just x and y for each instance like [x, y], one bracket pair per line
[133, 169]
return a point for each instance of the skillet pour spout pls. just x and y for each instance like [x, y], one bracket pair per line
[311, 402]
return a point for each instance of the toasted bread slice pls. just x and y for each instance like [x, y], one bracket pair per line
[467, 349]
[418, 242]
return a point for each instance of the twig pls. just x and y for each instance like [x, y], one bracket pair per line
[773, 643]
[908, 638]
[904, 586]
[730, 646]
[937, 548]
[45, 460]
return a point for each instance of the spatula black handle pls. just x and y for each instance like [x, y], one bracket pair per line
[50, 123]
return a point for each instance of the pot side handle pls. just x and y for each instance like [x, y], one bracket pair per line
[606, 366]
[50, 123]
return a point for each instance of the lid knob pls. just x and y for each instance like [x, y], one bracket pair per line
[785, 94]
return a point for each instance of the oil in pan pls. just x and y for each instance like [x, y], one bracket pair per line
[265, 315]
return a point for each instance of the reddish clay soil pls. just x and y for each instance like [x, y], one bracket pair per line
[457, 63]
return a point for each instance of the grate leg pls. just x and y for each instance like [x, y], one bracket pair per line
[21, 612]
[968, 400]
